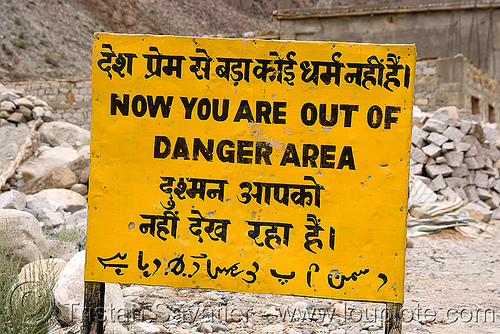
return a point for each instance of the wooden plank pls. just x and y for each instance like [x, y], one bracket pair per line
[93, 309]
[393, 318]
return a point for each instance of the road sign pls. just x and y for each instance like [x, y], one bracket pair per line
[255, 166]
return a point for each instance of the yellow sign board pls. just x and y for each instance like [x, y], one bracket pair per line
[255, 166]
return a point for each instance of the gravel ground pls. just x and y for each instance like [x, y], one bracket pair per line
[452, 286]
[458, 278]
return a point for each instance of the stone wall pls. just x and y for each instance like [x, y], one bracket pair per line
[456, 82]
[69, 98]
[439, 82]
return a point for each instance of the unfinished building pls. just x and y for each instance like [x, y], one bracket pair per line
[458, 44]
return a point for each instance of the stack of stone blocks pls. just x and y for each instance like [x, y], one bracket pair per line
[455, 155]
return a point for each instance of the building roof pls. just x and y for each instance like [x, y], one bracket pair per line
[393, 8]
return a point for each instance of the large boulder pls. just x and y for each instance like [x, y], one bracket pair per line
[80, 166]
[66, 198]
[21, 236]
[12, 199]
[58, 177]
[40, 204]
[50, 157]
[47, 270]
[11, 139]
[69, 290]
[57, 133]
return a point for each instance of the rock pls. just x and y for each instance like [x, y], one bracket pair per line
[436, 138]
[74, 208]
[417, 169]
[7, 106]
[80, 166]
[130, 304]
[13, 199]
[471, 152]
[53, 221]
[82, 189]
[418, 136]
[432, 150]
[440, 160]
[47, 116]
[271, 311]
[494, 202]
[435, 170]
[21, 236]
[27, 113]
[434, 125]
[453, 134]
[463, 147]
[11, 138]
[84, 151]
[456, 182]
[16, 117]
[437, 183]
[115, 328]
[39, 103]
[480, 180]
[160, 308]
[37, 112]
[471, 163]
[478, 212]
[69, 289]
[77, 224]
[57, 133]
[483, 194]
[218, 327]
[48, 270]
[64, 197]
[448, 192]
[471, 193]
[9, 96]
[477, 131]
[454, 159]
[135, 290]
[491, 134]
[448, 146]
[145, 328]
[418, 155]
[204, 328]
[62, 249]
[48, 159]
[278, 328]
[493, 153]
[23, 102]
[58, 177]
[38, 204]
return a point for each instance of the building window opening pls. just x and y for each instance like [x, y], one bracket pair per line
[491, 114]
[474, 105]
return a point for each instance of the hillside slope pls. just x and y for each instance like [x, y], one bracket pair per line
[45, 39]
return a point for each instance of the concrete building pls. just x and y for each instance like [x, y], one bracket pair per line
[458, 45]
[457, 81]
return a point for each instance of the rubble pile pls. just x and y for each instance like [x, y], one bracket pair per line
[456, 156]
[15, 109]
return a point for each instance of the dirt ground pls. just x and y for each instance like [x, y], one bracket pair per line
[456, 277]
[452, 286]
